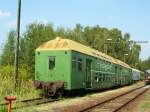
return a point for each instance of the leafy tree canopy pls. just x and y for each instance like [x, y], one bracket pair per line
[96, 37]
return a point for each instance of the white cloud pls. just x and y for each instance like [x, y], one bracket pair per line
[4, 13]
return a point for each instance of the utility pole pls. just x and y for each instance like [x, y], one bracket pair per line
[17, 42]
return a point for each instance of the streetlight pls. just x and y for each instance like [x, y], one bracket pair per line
[105, 45]
[125, 57]
[17, 42]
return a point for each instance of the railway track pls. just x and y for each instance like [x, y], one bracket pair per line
[112, 104]
[117, 103]
[29, 102]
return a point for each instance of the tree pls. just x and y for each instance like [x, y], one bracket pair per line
[8, 54]
[134, 55]
[145, 65]
[94, 37]
[60, 32]
[35, 35]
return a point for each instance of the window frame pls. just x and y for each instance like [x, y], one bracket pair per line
[53, 62]
[74, 63]
[79, 64]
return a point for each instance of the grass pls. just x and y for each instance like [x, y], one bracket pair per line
[3, 109]
[144, 105]
[24, 89]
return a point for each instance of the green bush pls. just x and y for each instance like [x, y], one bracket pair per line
[24, 89]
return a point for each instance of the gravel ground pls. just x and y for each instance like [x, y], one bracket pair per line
[51, 107]
[144, 103]
[141, 104]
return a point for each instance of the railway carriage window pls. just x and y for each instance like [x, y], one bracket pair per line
[97, 79]
[115, 68]
[80, 64]
[74, 63]
[97, 66]
[103, 77]
[109, 78]
[106, 78]
[51, 62]
[38, 53]
[65, 52]
[100, 79]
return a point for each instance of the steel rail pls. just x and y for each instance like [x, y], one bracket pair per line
[108, 100]
[30, 102]
[133, 99]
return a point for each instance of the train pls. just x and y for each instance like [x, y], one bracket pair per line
[65, 65]
[147, 77]
[137, 75]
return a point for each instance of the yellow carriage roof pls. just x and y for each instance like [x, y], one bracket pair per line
[67, 44]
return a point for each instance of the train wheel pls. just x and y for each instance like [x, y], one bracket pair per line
[60, 92]
[51, 93]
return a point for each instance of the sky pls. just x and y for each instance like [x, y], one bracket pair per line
[132, 16]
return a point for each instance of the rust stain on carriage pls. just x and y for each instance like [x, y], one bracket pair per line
[51, 86]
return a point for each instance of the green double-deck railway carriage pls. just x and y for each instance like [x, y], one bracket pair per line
[95, 73]
[79, 66]
[91, 72]
[51, 66]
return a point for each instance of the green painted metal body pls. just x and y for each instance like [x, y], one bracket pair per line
[61, 71]
[80, 71]
[141, 75]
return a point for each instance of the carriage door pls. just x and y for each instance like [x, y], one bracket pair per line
[88, 73]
